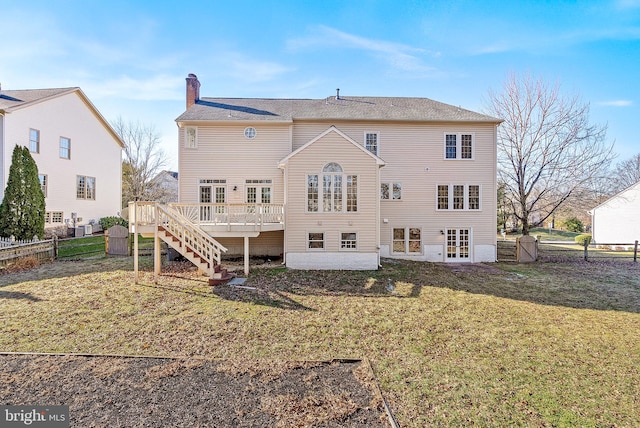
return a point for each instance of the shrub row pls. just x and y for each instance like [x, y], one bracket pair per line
[582, 239]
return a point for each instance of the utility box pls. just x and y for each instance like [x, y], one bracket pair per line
[78, 231]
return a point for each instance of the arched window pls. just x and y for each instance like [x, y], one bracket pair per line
[338, 192]
[332, 167]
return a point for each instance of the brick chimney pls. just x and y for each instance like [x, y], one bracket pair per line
[193, 89]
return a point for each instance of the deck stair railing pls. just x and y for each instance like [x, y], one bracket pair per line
[188, 239]
[180, 233]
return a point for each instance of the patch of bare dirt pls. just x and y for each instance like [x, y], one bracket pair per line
[473, 268]
[104, 391]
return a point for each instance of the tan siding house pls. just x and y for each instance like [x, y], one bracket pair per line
[348, 180]
[78, 154]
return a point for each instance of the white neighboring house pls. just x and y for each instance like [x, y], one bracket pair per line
[167, 182]
[615, 221]
[79, 155]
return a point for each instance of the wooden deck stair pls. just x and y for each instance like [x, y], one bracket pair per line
[193, 244]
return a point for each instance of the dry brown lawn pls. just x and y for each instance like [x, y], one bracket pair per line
[544, 344]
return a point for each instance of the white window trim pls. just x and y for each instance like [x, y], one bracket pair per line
[250, 132]
[466, 197]
[469, 257]
[459, 146]
[407, 240]
[390, 184]
[344, 191]
[187, 144]
[324, 240]
[349, 249]
[377, 134]
[259, 184]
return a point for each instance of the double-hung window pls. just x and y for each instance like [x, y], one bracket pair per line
[391, 191]
[34, 141]
[191, 137]
[371, 142]
[65, 148]
[458, 146]
[315, 240]
[458, 197]
[332, 191]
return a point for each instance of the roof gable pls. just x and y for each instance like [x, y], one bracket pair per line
[332, 128]
[12, 100]
[16, 99]
[634, 188]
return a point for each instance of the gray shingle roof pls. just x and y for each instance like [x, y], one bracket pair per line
[18, 98]
[344, 108]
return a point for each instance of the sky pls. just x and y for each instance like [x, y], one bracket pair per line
[131, 58]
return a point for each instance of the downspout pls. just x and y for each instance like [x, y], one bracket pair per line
[285, 175]
[2, 154]
[378, 214]
[495, 187]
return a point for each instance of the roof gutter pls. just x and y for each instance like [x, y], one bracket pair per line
[197, 122]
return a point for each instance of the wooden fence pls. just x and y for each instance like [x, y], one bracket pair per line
[11, 250]
[561, 250]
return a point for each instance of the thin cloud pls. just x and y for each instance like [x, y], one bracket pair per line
[150, 88]
[616, 103]
[400, 56]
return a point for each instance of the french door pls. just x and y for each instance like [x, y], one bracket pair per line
[258, 194]
[208, 195]
[458, 244]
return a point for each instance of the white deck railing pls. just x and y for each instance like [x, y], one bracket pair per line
[256, 215]
[158, 215]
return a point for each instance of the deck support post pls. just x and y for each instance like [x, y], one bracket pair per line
[135, 241]
[157, 263]
[246, 256]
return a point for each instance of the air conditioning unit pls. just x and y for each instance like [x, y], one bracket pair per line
[88, 229]
[79, 231]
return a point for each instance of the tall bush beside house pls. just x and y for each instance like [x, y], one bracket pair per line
[107, 222]
[22, 210]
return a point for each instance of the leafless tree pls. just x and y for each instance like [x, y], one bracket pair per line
[547, 149]
[143, 159]
[626, 173]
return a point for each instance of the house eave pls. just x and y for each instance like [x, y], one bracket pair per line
[201, 122]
